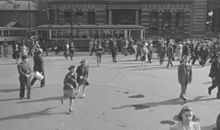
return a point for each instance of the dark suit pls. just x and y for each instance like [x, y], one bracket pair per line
[184, 77]
[23, 70]
[38, 66]
[215, 73]
[82, 71]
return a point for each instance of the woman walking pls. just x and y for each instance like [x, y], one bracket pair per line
[99, 53]
[70, 85]
[82, 76]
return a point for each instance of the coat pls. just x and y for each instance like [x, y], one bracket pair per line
[82, 74]
[184, 74]
[38, 63]
[215, 70]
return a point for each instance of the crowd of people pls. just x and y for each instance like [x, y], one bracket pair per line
[187, 52]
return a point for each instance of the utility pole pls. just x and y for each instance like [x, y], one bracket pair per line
[71, 19]
[29, 21]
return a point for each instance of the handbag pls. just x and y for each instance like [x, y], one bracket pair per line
[38, 75]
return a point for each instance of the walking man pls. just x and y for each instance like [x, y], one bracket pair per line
[170, 55]
[39, 66]
[184, 76]
[215, 75]
[24, 71]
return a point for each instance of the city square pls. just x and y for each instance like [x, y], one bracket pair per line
[123, 95]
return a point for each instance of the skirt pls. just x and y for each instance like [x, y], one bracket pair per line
[69, 93]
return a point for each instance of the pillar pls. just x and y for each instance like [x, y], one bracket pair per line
[136, 17]
[109, 16]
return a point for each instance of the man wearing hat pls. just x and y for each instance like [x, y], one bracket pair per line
[82, 75]
[39, 66]
[24, 71]
[215, 74]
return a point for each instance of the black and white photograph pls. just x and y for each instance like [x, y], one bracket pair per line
[109, 64]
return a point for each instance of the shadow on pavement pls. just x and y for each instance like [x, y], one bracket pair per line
[175, 101]
[9, 90]
[167, 122]
[12, 99]
[137, 96]
[211, 127]
[45, 112]
[41, 100]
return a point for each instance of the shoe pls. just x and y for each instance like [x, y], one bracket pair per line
[21, 98]
[209, 91]
[42, 86]
[28, 98]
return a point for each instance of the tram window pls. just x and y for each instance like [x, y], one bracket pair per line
[59, 34]
[0, 32]
[6, 33]
[54, 34]
[121, 33]
[96, 34]
[66, 33]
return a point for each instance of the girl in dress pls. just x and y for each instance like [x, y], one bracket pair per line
[186, 120]
[70, 86]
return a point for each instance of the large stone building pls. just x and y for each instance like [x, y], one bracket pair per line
[168, 18]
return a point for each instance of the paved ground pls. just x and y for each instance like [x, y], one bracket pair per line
[122, 96]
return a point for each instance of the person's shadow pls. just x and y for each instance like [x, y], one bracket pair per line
[45, 112]
[175, 101]
[41, 100]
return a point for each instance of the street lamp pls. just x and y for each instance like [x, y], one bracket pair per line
[210, 14]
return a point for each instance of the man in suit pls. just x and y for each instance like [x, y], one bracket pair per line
[170, 55]
[184, 76]
[82, 76]
[39, 66]
[24, 71]
[215, 74]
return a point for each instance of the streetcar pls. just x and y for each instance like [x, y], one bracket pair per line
[12, 34]
[81, 34]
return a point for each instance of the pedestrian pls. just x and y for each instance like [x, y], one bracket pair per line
[15, 54]
[71, 49]
[24, 71]
[170, 55]
[150, 48]
[215, 74]
[144, 55]
[162, 53]
[218, 122]
[186, 120]
[114, 52]
[184, 76]
[99, 53]
[5, 48]
[38, 67]
[70, 86]
[23, 49]
[82, 76]
[66, 50]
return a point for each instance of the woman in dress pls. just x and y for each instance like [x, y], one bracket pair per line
[186, 120]
[70, 85]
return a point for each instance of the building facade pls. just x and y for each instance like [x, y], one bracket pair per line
[167, 18]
